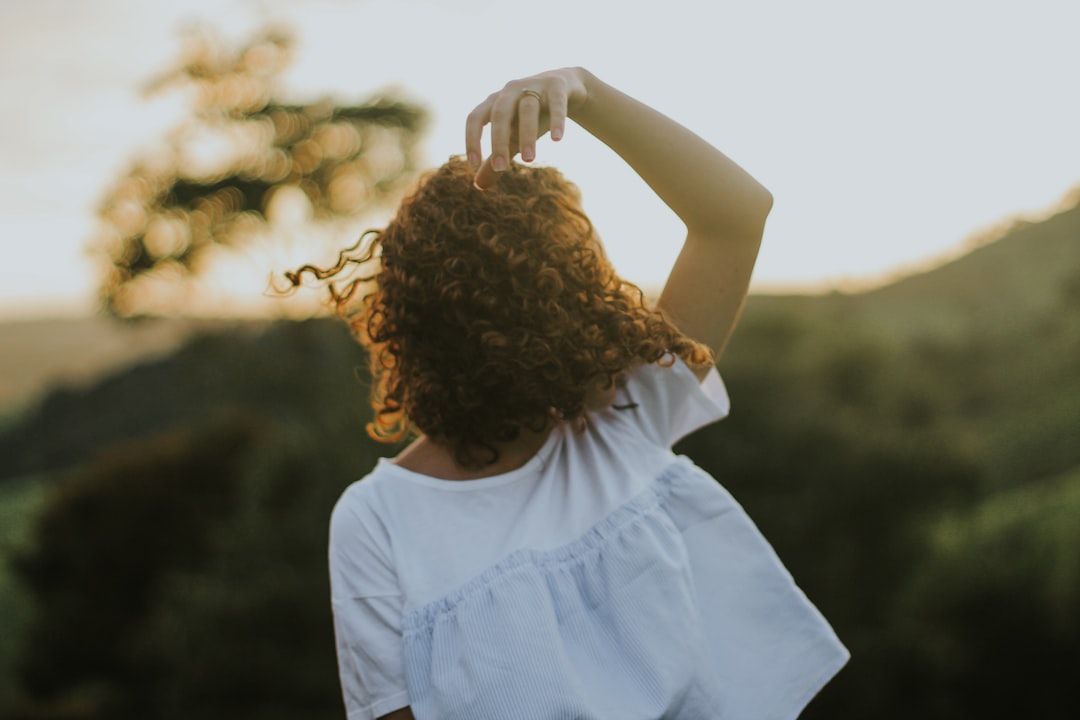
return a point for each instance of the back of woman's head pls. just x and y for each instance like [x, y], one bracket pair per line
[495, 310]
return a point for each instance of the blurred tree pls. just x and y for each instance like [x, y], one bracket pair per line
[250, 634]
[94, 568]
[241, 159]
[996, 607]
[181, 572]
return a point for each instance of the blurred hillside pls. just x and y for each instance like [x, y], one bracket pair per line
[984, 348]
[40, 355]
[913, 452]
[1011, 311]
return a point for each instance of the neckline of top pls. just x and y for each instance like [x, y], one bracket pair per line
[528, 468]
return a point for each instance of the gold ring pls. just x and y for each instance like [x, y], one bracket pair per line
[535, 94]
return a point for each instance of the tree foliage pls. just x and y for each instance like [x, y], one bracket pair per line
[219, 178]
[104, 543]
[181, 571]
[220, 608]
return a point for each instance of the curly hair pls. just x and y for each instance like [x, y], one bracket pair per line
[493, 310]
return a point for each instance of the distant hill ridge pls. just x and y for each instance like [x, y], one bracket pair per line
[1032, 269]
[1027, 270]
[1006, 316]
[77, 352]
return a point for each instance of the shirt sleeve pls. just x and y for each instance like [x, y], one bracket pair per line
[366, 601]
[670, 401]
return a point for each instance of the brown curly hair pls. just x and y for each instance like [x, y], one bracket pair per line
[493, 310]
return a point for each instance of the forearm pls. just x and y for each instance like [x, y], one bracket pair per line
[711, 194]
[724, 209]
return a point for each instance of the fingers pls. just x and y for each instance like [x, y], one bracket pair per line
[474, 130]
[528, 125]
[558, 103]
[504, 112]
[485, 176]
[519, 114]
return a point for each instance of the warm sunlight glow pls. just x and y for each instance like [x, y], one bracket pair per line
[887, 134]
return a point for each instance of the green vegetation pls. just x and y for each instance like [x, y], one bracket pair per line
[167, 527]
[996, 603]
[912, 452]
[176, 565]
[19, 503]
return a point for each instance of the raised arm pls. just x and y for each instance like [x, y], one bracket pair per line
[723, 207]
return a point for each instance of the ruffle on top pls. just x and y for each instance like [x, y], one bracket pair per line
[673, 606]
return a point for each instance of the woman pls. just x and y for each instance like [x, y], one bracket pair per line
[538, 551]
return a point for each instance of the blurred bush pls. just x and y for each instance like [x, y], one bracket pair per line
[100, 550]
[178, 569]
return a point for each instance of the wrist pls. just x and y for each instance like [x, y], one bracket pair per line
[582, 90]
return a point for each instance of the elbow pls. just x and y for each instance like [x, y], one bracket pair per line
[757, 209]
[742, 212]
[754, 210]
[763, 203]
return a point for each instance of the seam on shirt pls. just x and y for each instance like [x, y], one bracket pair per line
[370, 597]
[645, 502]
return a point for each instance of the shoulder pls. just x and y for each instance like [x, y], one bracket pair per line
[668, 401]
[361, 553]
[359, 517]
[359, 498]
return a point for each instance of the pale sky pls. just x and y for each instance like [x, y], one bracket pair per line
[889, 133]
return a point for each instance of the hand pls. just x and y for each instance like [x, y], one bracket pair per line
[519, 118]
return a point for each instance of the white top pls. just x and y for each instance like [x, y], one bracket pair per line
[604, 578]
